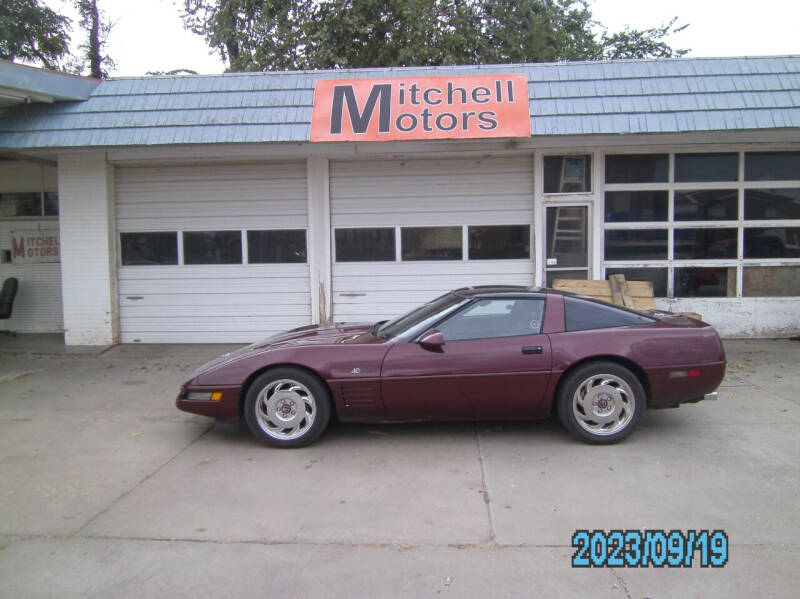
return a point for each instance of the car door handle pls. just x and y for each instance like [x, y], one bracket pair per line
[532, 349]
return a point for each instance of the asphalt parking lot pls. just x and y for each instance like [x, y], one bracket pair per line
[107, 490]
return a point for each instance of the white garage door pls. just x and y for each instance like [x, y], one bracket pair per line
[213, 253]
[406, 231]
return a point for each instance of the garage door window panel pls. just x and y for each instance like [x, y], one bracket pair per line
[772, 204]
[705, 244]
[705, 282]
[212, 247]
[149, 249]
[365, 244]
[696, 168]
[707, 205]
[636, 206]
[716, 216]
[774, 242]
[276, 247]
[20, 204]
[501, 242]
[657, 276]
[637, 168]
[486, 319]
[431, 243]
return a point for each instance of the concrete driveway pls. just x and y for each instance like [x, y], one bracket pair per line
[107, 490]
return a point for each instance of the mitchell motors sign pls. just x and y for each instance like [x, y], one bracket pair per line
[413, 108]
[35, 246]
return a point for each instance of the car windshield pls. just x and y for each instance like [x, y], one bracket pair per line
[419, 315]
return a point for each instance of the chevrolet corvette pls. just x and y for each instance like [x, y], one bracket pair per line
[476, 353]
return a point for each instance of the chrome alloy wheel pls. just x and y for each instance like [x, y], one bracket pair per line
[603, 404]
[285, 409]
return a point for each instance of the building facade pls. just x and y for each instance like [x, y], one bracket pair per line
[198, 208]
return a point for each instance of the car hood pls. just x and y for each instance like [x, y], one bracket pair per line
[340, 333]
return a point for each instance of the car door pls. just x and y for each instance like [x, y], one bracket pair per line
[494, 364]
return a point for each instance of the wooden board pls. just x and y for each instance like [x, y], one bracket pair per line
[641, 292]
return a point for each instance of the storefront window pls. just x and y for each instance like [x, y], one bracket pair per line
[431, 243]
[148, 249]
[276, 247]
[212, 247]
[726, 230]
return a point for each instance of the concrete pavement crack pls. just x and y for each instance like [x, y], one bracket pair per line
[621, 582]
[150, 475]
[484, 489]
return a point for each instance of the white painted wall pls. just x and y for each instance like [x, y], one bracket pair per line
[37, 308]
[746, 317]
[88, 252]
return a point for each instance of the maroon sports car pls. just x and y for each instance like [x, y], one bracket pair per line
[477, 353]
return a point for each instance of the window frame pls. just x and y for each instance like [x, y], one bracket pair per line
[671, 224]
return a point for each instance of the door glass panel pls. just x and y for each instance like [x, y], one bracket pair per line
[502, 317]
[567, 245]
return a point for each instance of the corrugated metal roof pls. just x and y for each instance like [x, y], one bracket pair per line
[582, 98]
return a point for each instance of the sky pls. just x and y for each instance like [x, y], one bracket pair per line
[149, 34]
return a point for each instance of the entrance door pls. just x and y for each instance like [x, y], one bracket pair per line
[567, 243]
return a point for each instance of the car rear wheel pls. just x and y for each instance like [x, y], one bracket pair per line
[601, 402]
[287, 407]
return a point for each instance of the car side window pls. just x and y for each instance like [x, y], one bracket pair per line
[489, 318]
[583, 315]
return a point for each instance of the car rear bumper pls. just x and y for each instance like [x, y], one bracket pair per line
[669, 388]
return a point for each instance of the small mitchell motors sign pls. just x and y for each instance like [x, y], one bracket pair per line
[35, 246]
[414, 108]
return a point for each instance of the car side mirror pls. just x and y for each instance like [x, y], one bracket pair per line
[432, 340]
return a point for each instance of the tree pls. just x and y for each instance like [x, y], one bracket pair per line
[97, 26]
[288, 34]
[32, 32]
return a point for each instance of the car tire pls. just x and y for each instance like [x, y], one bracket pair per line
[601, 402]
[287, 407]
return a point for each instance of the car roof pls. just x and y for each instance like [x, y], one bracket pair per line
[499, 290]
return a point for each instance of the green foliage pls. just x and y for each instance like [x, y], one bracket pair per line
[311, 34]
[642, 44]
[32, 32]
[97, 26]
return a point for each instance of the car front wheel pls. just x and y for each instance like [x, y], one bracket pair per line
[287, 407]
[601, 402]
